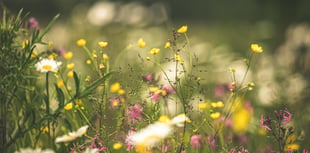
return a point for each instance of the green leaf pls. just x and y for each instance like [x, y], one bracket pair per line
[77, 84]
[94, 85]
[60, 96]
[48, 27]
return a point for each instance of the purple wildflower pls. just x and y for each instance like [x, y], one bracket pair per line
[33, 23]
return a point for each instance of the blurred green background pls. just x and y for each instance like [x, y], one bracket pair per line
[238, 18]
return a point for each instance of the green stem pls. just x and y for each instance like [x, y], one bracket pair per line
[47, 108]
[94, 62]
[190, 54]
[247, 70]
[86, 118]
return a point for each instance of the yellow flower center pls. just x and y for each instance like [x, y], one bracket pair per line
[164, 119]
[47, 67]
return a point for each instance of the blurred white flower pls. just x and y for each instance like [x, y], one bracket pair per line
[296, 50]
[294, 88]
[154, 133]
[46, 65]
[89, 150]
[36, 150]
[101, 13]
[179, 120]
[151, 135]
[267, 94]
[72, 135]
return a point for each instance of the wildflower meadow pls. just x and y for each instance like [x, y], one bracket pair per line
[139, 85]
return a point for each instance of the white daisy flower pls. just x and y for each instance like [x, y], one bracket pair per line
[90, 150]
[179, 120]
[46, 65]
[36, 150]
[154, 133]
[72, 135]
[151, 135]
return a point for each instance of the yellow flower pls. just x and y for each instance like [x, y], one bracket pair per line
[34, 54]
[232, 70]
[218, 104]
[103, 44]
[60, 83]
[141, 43]
[88, 62]
[167, 45]
[50, 44]
[25, 43]
[81, 42]
[256, 48]
[164, 119]
[70, 66]
[94, 55]
[203, 105]
[215, 115]
[154, 51]
[293, 146]
[68, 106]
[241, 120]
[115, 87]
[251, 85]
[44, 129]
[117, 146]
[52, 56]
[153, 89]
[87, 78]
[101, 66]
[78, 101]
[121, 92]
[163, 92]
[105, 57]
[115, 103]
[68, 55]
[183, 29]
[70, 74]
[177, 57]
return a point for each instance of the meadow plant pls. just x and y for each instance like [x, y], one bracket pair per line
[145, 108]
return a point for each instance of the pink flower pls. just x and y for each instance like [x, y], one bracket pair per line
[286, 117]
[263, 125]
[134, 113]
[219, 91]
[249, 107]
[148, 78]
[168, 89]
[196, 141]
[210, 141]
[33, 23]
[129, 145]
[305, 151]
[166, 147]
[156, 96]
